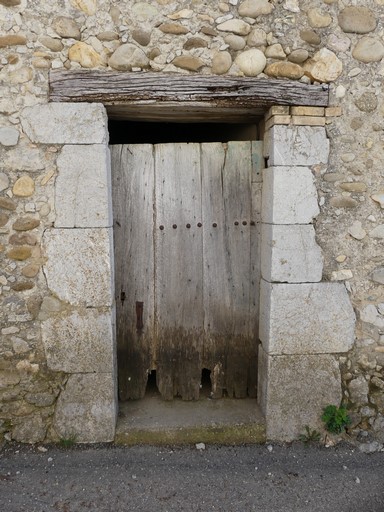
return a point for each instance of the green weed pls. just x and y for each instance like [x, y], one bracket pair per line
[310, 436]
[336, 419]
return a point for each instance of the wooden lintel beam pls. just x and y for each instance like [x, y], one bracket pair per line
[114, 88]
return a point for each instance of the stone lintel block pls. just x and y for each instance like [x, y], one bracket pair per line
[66, 123]
[290, 254]
[293, 391]
[298, 145]
[81, 342]
[274, 120]
[315, 318]
[277, 110]
[308, 121]
[79, 266]
[83, 187]
[333, 111]
[308, 111]
[289, 196]
[87, 408]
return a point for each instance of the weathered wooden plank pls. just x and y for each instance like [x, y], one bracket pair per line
[178, 279]
[258, 164]
[143, 90]
[229, 287]
[217, 307]
[237, 206]
[133, 190]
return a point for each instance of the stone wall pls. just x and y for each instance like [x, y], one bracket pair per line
[43, 210]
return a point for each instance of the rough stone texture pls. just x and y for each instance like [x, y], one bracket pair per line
[298, 56]
[7, 204]
[66, 27]
[298, 145]
[87, 6]
[188, 62]
[221, 62]
[30, 430]
[4, 181]
[284, 70]
[78, 267]
[368, 50]
[378, 275]
[289, 254]
[359, 20]
[289, 196]
[81, 342]
[251, 62]
[66, 123]
[87, 408]
[239, 27]
[8, 136]
[26, 224]
[10, 3]
[235, 42]
[55, 45]
[128, 56]
[82, 194]
[310, 37]
[304, 318]
[324, 66]
[24, 187]
[255, 8]
[257, 37]
[318, 19]
[293, 391]
[85, 55]
[12, 40]
[19, 253]
[173, 28]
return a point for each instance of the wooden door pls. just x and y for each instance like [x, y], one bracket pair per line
[187, 267]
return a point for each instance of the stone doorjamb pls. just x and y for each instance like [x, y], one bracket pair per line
[304, 323]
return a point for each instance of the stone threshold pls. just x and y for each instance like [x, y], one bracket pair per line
[158, 422]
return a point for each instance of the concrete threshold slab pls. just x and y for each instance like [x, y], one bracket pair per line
[158, 422]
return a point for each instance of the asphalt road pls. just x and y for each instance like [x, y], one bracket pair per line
[290, 478]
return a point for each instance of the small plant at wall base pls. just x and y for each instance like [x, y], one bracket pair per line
[310, 436]
[68, 442]
[336, 419]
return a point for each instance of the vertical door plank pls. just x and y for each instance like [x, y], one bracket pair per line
[258, 164]
[237, 204]
[133, 191]
[216, 292]
[178, 278]
[228, 288]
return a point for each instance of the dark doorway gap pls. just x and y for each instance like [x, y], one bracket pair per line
[206, 384]
[152, 389]
[129, 132]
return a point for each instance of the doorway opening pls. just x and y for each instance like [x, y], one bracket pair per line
[186, 230]
[133, 132]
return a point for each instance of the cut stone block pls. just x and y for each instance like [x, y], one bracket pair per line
[305, 318]
[298, 145]
[79, 266]
[83, 187]
[289, 196]
[86, 409]
[66, 123]
[81, 342]
[290, 254]
[293, 391]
